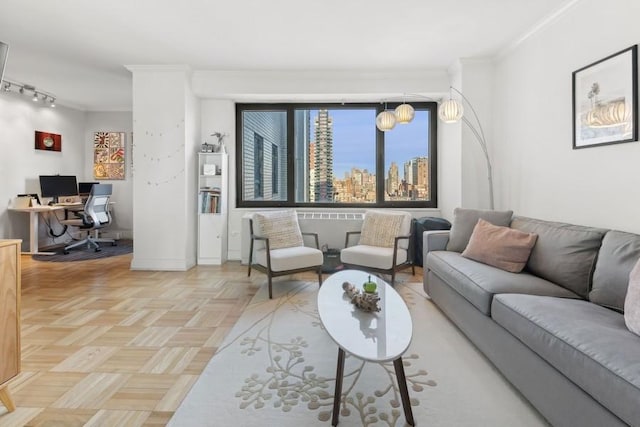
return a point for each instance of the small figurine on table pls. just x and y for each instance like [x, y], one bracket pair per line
[365, 301]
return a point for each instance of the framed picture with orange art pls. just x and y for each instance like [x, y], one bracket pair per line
[48, 141]
[108, 155]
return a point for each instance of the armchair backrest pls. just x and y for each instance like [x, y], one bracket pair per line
[97, 205]
[381, 226]
[280, 227]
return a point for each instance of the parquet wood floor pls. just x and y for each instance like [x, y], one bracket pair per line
[106, 346]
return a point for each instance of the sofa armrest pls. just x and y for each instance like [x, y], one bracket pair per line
[434, 240]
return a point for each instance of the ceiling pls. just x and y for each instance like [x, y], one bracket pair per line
[77, 49]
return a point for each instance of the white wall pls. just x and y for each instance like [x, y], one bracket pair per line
[122, 209]
[476, 83]
[21, 163]
[538, 173]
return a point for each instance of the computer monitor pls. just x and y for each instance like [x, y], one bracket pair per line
[58, 186]
[84, 188]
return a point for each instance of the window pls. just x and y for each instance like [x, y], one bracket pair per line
[332, 155]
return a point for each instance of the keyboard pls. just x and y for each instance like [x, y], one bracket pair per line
[68, 204]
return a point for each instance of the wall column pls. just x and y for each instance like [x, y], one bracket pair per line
[165, 137]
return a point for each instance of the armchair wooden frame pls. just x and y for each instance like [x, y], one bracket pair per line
[267, 270]
[394, 268]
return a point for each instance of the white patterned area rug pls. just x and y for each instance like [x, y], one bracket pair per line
[277, 368]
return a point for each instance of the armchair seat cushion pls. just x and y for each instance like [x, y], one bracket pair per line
[372, 256]
[290, 258]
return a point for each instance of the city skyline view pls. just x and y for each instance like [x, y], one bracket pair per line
[342, 159]
[357, 127]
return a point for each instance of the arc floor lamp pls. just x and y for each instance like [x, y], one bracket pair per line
[449, 111]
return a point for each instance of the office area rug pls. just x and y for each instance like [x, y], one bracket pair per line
[123, 246]
[277, 367]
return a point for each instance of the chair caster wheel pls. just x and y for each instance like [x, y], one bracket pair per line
[98, 249]
[66, 252]
[114, 244]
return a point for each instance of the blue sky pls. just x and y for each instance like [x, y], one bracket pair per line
[354, 136]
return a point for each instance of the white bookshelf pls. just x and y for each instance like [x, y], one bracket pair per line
[213, 195]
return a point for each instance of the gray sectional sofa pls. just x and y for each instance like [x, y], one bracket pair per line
[556, 330]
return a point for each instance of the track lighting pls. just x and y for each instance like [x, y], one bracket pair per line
[38, 95]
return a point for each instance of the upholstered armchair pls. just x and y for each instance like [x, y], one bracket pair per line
[384, 243]
[277, 246]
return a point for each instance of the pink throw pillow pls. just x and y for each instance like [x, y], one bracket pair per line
[501, 247]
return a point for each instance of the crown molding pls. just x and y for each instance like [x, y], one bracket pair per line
[539, 26]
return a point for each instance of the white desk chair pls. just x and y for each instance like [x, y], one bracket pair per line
[95, 216]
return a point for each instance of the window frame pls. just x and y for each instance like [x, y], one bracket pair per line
[380, 171]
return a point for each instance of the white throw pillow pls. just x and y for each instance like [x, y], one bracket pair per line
[380, 229]
[632, 301]
[280, 227]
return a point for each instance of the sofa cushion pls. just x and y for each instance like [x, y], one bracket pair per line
[618, 254]
[478, 282]
[632, 301]
[501, 247]
[587, 343]
[564, 254]
[465, 219]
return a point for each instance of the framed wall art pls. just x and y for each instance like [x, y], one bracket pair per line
[48, 141]
[605, 100]
[108, 155]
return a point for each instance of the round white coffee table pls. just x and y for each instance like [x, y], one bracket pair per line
[377, 337]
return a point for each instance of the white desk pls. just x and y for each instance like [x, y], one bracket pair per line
[34, 216]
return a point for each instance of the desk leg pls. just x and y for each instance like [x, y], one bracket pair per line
[5, 398]
[33, 235]
[338, 392]
[404, 391]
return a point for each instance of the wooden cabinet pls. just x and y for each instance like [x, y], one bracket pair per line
[9, 316]
[212, 207]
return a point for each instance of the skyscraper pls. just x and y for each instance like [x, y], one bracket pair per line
[312, 168]
[393, 179]
[323, 164]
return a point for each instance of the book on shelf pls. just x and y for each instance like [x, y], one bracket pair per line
[210, 200]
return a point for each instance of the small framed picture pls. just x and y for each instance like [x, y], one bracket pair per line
[605, 100]
[48, 141]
